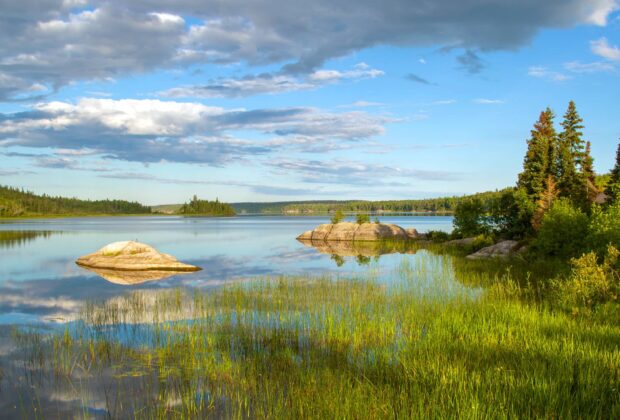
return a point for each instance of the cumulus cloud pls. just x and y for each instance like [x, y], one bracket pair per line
[154, 130]
[268, 83]
[46, 44]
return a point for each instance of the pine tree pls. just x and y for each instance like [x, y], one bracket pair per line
[588, 175]
[572, 132]
[545, 201]
[613, 186]
[537, 165]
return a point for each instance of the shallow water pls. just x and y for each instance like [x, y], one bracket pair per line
[39, 281]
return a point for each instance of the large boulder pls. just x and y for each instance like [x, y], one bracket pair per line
[347, 231]
[500, 250]
[132, 256]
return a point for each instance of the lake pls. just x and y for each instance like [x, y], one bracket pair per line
[39, 281]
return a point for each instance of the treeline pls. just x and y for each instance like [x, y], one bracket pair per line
[432, 205]
[197, 207]
[15, 202]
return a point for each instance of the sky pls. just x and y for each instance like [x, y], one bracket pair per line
[262, 100]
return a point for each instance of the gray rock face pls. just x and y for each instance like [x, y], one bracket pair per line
[461, 242]
[132, 256]
[347, 231]
[499, 250]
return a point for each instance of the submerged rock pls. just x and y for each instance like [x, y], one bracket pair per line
[347, 231]
[501, 249]
[132, 256]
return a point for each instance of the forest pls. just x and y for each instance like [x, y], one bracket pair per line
[15, 202]
[197, 207]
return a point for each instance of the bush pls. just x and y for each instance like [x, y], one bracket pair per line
[511, 214]
[604, 228]
[563, 231]
[362, 218]
[482, 241]
[437, 235]
[590, 284]
[470, 218]
[337, 217]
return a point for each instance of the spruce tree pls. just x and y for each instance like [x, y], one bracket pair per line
[572, 179]
[537, 165]
[588, 175]
[613, 186]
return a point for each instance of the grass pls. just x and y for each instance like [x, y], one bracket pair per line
[302, 347]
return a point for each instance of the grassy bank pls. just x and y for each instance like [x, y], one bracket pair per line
[331, 348]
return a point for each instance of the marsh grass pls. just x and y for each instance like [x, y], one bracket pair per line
[304, 347]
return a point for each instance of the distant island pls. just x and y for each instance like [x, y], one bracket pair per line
[197, 207]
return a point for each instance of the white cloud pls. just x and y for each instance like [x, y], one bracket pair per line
[270, 84]
[594, 67]
[602, 48]
[542, 72]
[154, 130]
[485, 101]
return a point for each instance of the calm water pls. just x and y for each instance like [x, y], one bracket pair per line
[39, 281]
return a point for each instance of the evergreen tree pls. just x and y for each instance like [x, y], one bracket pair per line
[588, 175]
[572, 183]
[613, 186]
[537, 165]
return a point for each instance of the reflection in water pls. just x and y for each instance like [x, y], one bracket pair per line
[132, 277]
[15, 238]
[361, 250]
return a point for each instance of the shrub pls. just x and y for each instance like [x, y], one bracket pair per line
[470, 218]
[437, 235]
[362, 218]
[563, 231]
[604, 228]
[482, 241]
[337, 217]
[590, 284]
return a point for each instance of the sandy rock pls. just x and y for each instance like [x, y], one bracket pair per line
[412, 233]
[132, 256]
[499, 250]
[347, 231]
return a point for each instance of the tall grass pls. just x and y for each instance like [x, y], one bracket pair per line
[302, 347]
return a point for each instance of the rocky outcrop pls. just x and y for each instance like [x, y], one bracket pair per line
[347, 231]
[501, 249]
[132, 256]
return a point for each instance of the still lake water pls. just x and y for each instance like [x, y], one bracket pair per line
[39, 281]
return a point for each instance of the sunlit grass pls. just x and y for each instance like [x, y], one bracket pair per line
[303, 347]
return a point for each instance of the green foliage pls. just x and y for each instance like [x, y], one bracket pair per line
[511, 214]
[197, 207]
[604, 228]
[437, 235]
[590, 283]
[362, 218]
[481, 241]
[337, 217]
[376, 220]
[15, 202]
[470, 218]
[563, 231]
[613, 185]
[539, 163]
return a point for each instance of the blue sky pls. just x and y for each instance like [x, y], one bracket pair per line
[267, 101]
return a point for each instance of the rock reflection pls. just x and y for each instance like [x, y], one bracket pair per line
[130, 278]
[361, 251]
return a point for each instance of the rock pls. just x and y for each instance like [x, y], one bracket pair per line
[132, 256]
[412, 233]
[461, 242]
[347, 231]
[501, 249]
